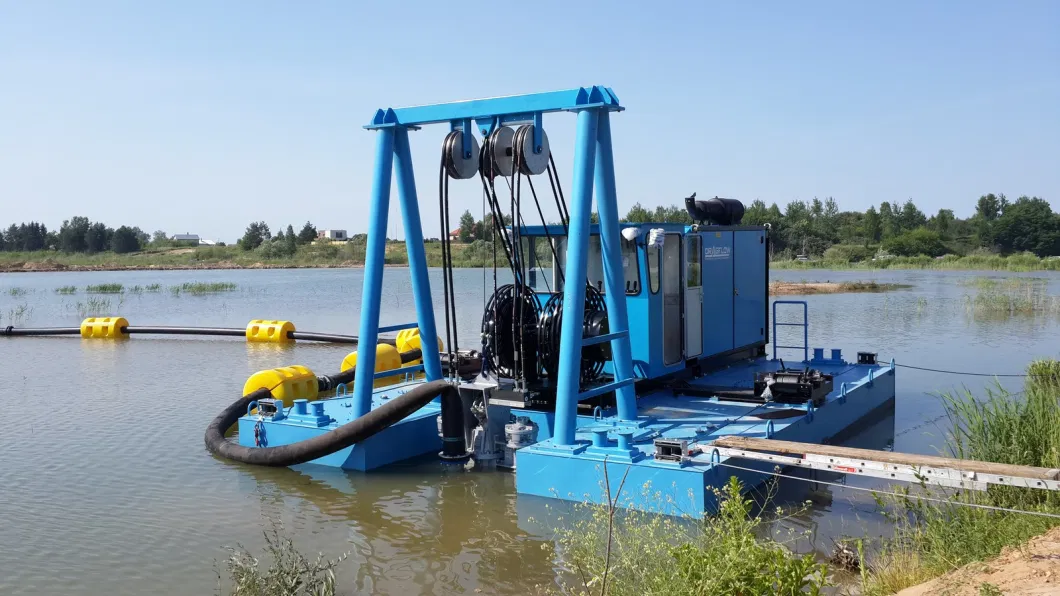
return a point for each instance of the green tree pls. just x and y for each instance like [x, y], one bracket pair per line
[1028, 224]
[256, 233]
[307, 234]
[871, 225]
[97, 238]
[888, 222]
[72, 234]
[125, 240]
[756, 214]
[291, 241]
[942, 222]
[638, 214]
[920, 241]
[467, 227]
[910, 218]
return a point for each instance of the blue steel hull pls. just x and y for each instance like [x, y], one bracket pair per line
[577, 473]
[413, 436]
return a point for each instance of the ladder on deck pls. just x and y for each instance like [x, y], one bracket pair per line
[889, 465]
[805, 324]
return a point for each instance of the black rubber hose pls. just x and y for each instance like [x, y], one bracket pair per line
[454, 446]
[14, 332]
[327, 382]
[319, 446]
[228, 331]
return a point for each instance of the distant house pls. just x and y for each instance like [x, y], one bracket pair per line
[455, 234]
[189, 239]
[339, 235]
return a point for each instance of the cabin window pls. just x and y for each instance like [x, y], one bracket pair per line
[594, 269]
[537, 258]
[653, 268]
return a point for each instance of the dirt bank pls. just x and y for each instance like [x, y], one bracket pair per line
[1032, 568]
[790, 288]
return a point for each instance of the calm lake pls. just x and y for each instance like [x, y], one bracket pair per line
[106, 487]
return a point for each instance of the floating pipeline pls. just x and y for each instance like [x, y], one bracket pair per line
[258, 330]
[344, 436]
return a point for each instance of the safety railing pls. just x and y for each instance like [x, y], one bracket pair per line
[805, 324]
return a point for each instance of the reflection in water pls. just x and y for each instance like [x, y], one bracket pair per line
[106, 488]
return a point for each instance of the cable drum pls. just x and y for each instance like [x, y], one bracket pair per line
[594, 324]
[500, 333]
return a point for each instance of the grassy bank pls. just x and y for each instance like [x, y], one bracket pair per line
[790, 288]
[933, 538]
[477, 254]
[972, 262]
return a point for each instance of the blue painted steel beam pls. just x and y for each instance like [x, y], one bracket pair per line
[415, 368]
[494, 107]
[375, 255]
[602, 389]
[400, 327]
[599, 339]
[614, 277]
[421, 285]
[569, 376]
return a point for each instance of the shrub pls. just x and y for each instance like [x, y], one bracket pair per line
[850, 253]
[920, 241]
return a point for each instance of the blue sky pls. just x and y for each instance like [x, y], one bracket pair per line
[202, 116]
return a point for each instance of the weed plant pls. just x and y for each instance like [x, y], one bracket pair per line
[66, 290]
[932, 538]
[287, 572]
[644, 553]
[105, 289]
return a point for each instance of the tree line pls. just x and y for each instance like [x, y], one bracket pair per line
[816, 227]
[76, 235]
[258, 236]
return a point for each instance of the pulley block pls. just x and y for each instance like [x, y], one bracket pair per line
[500, 144]
[458, 163]
[532, 159]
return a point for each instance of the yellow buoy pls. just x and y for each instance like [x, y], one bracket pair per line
[408, 340]
[386, 358]
[104, 328]
[288, 383]
[269, 331]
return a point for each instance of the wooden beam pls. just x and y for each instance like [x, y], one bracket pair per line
[891, 457]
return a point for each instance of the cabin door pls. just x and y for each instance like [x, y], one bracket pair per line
[693, 306]
[671, 290]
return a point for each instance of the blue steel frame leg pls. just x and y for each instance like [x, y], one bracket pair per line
[374, 259]
[570, 346]
[614, 276]
[421, 285]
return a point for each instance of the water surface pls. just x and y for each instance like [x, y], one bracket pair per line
[106, 488]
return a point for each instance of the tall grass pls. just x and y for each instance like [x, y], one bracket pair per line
[1012, 297]
[200, 288]
[287, 573]
[971, 262]
[66, 290]
[644, 553]
[105, 289]
[17, 292]
[94, 306]
[932, 538]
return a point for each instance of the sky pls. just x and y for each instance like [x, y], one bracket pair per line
[201, 116]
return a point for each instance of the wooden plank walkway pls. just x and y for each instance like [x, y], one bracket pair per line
[889, 457]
